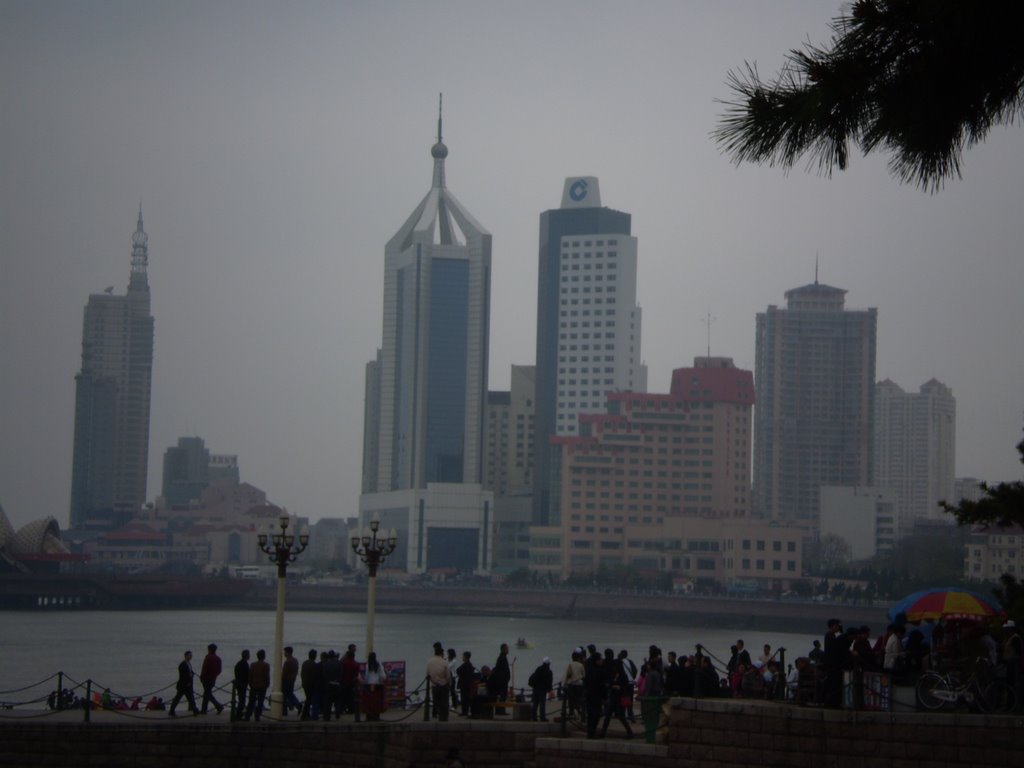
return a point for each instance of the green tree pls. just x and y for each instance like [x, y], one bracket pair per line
[1001, 506]
[923, 80]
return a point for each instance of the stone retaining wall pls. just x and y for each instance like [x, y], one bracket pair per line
[704, 733]
[735, 734]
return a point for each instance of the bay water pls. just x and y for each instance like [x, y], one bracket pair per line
[136, 653]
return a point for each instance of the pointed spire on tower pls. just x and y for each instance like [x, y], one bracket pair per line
[439, 151]
[440, 107]
[815, 267]
[140, 257]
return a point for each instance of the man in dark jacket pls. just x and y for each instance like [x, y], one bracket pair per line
[241, 686]
[330, 696]
[836, 653]
[467, 680]
[501, 675]
[595, 685]
[541, 682]
[309, 674]
[289, 674]
[184, 688]
[208, 675]
[259, 682]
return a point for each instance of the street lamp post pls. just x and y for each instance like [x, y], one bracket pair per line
[282, 550]
[372, 550]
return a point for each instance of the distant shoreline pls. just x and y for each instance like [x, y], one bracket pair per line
[58, 593]
[668, 610]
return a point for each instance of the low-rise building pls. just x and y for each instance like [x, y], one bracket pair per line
[991, 552]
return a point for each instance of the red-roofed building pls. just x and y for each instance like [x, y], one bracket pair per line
[661, 482]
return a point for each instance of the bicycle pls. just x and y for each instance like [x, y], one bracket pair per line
[982, 690]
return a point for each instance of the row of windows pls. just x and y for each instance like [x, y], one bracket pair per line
[776, 545]
[587, 243]
[759, 565]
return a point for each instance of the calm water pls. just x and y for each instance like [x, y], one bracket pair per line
[135, 653]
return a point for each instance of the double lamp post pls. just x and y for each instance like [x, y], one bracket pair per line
[372, 549]
[282, 549]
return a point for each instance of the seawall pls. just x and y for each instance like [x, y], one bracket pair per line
[669, 610]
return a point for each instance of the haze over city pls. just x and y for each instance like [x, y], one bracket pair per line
[276, 148]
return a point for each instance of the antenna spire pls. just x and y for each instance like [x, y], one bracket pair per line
[440, 96]
[707, 321]
[815, 267]
[439, 151]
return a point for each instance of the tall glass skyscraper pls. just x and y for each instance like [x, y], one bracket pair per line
[112, 398]
[423, 445]
[426, 391]
[814, 377]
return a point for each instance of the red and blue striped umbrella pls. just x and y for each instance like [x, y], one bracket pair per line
[948, 604]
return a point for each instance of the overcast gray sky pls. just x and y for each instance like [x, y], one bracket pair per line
[277, 146]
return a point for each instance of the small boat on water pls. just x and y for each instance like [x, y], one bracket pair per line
[522, 642]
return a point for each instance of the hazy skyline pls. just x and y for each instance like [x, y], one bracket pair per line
[277, 147]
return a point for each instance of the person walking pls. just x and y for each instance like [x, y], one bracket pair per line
[595, 685]
[241, 683]
[439, 676]
[259, 682]
[208, 675]
[184, 686]
[618, 687]
[541, 683]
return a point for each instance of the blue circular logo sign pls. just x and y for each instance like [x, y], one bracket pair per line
[578, 190]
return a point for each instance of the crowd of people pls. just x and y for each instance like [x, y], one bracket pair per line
[906, 651]
[596, 687]
[330, 684]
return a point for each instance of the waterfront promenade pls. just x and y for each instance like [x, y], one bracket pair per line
[698, 733]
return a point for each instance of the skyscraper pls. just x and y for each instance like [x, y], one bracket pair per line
[433, 361]
[588, 322]
[915, 443]
[426, 389]
[813, 424]
[112, 396]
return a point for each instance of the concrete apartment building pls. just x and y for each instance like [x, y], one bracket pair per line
[189, 468]
[815, 378]
[660, 482]
[508, 467]
[915, 446]
[588, 322]
[426, 388]
[991, 552]
[112, 400]
[508, 436]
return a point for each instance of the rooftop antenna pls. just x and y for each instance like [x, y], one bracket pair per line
[707, 321]
[440, 96]
[815, 267]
